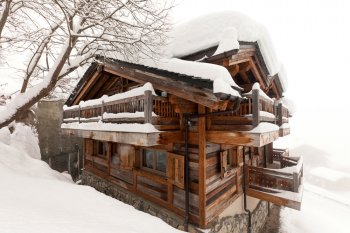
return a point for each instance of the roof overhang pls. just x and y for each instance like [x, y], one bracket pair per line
[133, 138]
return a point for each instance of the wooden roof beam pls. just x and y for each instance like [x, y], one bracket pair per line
[257, 74]
[87, 86]
[181, 89]
[234, 69]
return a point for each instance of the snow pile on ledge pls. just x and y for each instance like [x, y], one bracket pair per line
[224, 29]
[285, 126]
[36, 199]
[265, 127]
[134, 92]
[100, 126]
[263, 114]
[107, 115]
[262, 94]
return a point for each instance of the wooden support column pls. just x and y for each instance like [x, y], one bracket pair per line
[256, 110]
[148, 108]
[279, 114]
[202, 166]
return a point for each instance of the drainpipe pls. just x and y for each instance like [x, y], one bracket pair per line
[245, 196]
[187, 175]
[188, 117]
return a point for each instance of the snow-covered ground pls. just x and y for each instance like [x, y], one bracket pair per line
[326, 199]
[35, 198]
[322, 212]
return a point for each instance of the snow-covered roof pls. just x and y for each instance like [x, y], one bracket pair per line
[225, 30]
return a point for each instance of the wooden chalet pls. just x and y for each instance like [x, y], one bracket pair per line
[205, 149]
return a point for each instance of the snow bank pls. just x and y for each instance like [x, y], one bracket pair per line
[132, 127]
[36, 199]
[331, 214]
[25, 139]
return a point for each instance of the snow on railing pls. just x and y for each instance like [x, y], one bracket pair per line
[134, 105]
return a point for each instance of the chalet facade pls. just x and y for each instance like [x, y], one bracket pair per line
[181, 146]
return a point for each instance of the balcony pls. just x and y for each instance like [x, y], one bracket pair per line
[124, 118]
[281, 186]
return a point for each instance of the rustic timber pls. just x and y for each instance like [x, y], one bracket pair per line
[152, 165]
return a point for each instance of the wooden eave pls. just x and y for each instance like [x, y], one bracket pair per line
[187, 87]
[244, 138]
[190, 88]
[132, 138]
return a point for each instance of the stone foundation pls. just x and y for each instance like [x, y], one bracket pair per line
[236, 224]
[239, 222]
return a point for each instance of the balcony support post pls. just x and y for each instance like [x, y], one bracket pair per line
[279, 114]
[256, 109]
[148, 108]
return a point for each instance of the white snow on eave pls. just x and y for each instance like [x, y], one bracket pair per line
[222, 79]
[285, 126]
[100, 126]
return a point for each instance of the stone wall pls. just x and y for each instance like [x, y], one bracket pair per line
[239, 222]
[127, 197]
[233, 224]
[56, 148]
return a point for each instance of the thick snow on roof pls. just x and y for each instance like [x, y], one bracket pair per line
[222, 79]
[223, 29]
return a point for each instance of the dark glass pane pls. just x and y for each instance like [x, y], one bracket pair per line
[147, 159]
[161, 161]
[100, 148]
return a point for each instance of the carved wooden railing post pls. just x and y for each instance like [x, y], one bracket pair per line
[79, 114]
[256, 109]
[295, 182]
[279, 114]
[102, 110]
[148, 108]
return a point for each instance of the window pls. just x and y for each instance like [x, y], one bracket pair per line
[229, 161]
[154, 160]
[101, 149]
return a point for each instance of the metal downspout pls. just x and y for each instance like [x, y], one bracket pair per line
[245, 197]
[187, 175]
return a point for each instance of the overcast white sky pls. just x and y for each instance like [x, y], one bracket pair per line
[312, 39]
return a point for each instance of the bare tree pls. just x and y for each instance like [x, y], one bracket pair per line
[62, 35]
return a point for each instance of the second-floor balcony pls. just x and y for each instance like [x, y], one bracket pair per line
[280, 183]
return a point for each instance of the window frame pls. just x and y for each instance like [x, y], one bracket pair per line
[154, 164]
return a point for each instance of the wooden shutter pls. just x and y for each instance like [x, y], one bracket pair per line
[175, 170]
[89, 149]
[127, 156]
[224, 163]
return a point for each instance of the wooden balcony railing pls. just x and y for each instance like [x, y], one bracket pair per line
[146, 103]
[280, 186]
[254, 104]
